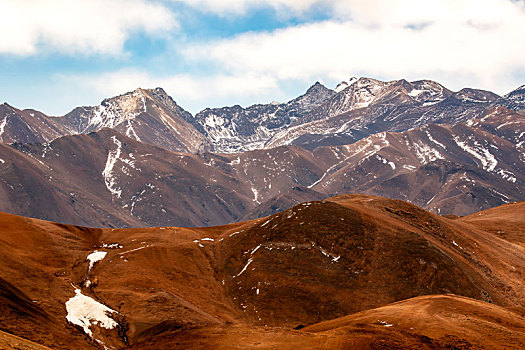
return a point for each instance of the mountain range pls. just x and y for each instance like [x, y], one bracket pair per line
[319, 117]
[139, 159]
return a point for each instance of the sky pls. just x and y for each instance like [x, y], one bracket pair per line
[59, 54]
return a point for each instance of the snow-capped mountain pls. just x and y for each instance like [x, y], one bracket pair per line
[146, 115]
[448, 152]
[514, 100]
[108, 179]
[370, 106]
[357, 108]
[236, 129]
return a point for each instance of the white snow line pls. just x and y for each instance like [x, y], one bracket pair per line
[130, 132]
[2, 128]
[256, 248]
[245, 267]
[255, 195]
[434, 140]
[266, 222]
[488, 161]
[112, 246]
[134, 250]
[457, 245]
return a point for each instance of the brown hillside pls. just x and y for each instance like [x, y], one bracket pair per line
[427, 322]
[235, 284]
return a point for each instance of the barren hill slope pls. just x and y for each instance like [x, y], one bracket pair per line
[506, 221]
[155, 287]
[426, 322]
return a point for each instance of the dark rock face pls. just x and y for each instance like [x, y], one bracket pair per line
[514, 100]
[237, 129]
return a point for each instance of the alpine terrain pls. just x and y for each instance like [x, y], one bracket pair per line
[139, 159]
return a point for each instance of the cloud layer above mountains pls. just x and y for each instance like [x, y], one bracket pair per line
[269, 49]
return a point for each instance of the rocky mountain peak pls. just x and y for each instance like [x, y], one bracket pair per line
[316, 94]
[158, 94]
[6, 105]
[517, 95]
[428, 91]
[316, 88]
[514, 100]
[147, 115]
[369, 82]
[475, 95]
[158, 91]
[364, 91]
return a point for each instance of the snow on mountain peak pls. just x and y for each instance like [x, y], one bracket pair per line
[517, 92]
[344, 84]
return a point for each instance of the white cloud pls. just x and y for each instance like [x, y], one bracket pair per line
[460, 42]
[79, 26]
[238, 7]
[455, 42]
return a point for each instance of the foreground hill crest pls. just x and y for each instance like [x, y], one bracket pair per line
[352, 269]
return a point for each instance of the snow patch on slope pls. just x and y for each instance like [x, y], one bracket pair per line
[488, 161]
[130, 132]
[108, 173]
[2, 128]
[426, 153]
[344, 84]
[86, 312]
[95, 257]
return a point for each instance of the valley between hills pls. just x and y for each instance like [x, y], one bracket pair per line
[376, 215]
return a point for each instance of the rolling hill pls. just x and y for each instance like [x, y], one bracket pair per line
[353, 270]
